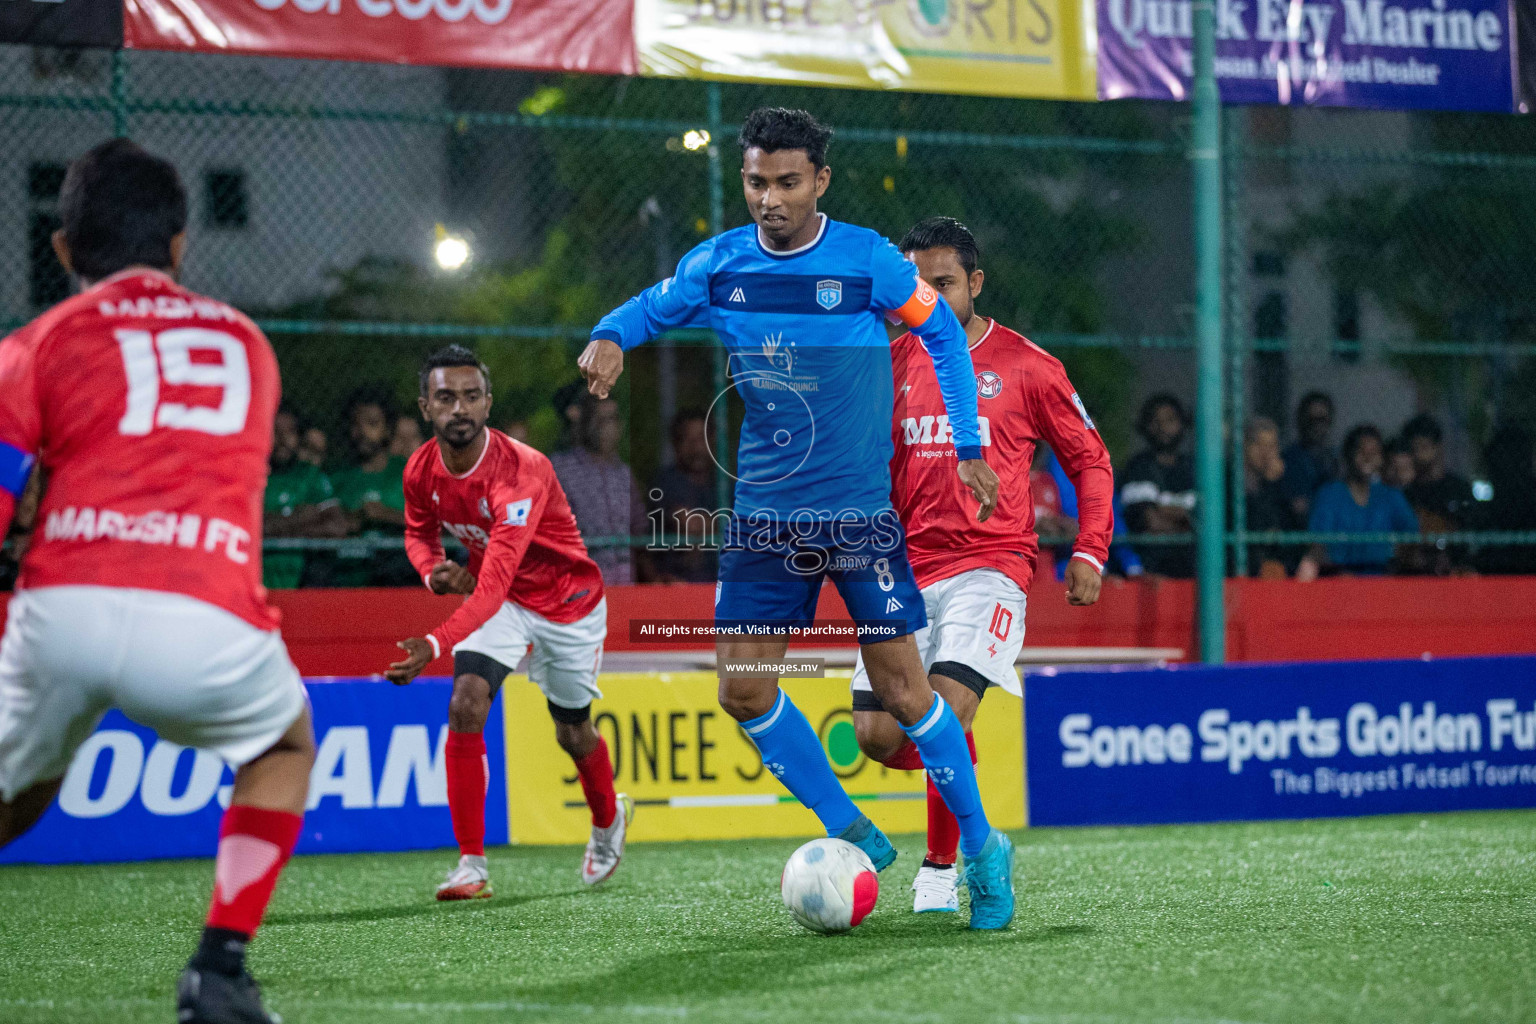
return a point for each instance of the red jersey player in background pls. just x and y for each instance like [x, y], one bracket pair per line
[150, 409]
[530, 584]
[974, 575]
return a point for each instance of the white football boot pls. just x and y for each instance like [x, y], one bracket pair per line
[606, 847]
[471, 880]
[936, 890]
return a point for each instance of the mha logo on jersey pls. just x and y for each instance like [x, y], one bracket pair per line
[829, 294]
[1082, 410]
[988, 384]
[517, 512]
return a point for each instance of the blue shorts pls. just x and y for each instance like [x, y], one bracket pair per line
[771, 574]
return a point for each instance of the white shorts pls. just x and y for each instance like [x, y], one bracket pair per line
[565, 656]
[975, 619]
[195, 673]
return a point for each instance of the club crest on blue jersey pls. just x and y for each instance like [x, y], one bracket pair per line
[988, 384]
[829, 294]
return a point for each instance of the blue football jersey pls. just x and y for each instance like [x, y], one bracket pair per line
[810, 359]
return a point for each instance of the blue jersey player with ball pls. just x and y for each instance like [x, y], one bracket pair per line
[800, 302]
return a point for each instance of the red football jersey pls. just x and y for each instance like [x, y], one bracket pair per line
[151, 410]
[1023, 396]
[511, 514]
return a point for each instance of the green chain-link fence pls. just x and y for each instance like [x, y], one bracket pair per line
[1382, 257]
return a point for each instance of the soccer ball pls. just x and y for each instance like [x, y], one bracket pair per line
[829, 885]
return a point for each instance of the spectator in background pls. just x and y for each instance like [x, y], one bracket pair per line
[406, 438]
[372, 492]
[1122, 560]
[313, 447]
[299, 502]
[1311, 461]
[601, 489]
[517, 430]
[1398, 470]
[1359, 503]
[1440, 499]
[1265, 503]
[1051, 518]
[679, 493]
[1157, 487]
[1511, 461]
[567, 402]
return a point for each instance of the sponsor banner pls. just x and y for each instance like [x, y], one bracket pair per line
[1414, 54]
[379, 783]
[560, 35]
[1030, 48]
[1281, 741]
[62, 22]
[694, 774]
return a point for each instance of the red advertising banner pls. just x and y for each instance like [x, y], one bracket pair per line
[557, 35]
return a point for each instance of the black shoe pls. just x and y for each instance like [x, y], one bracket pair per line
[208, 997]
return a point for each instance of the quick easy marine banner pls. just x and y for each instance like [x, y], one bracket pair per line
[1281, 741]
[1415, 54]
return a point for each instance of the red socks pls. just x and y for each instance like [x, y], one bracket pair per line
[596, 773]
[906, 758]
[943, 829]
[254, 844]
[469, 776]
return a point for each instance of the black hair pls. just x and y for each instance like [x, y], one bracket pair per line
[1155, 402]
[1356, 436]
[566, 396]
[1311, 397]
[451, 355]
[120, 206]
[771, 129]
[1397, 446]
[946, 233]
[1423, 425]
[371, 394]
[687, 415]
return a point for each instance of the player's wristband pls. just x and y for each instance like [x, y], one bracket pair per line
[970, 451]
[1097, 565]
[426, 578]
[437, 648]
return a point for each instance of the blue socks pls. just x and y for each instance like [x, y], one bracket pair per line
[793, 754]
[941, 742]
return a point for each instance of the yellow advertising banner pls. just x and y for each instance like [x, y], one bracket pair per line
[1022, 48]
[693, 773]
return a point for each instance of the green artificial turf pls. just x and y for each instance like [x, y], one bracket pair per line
[1386, 919]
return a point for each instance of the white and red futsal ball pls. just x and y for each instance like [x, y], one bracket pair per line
[829, 885]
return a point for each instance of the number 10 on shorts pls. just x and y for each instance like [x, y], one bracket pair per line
[1002, 622]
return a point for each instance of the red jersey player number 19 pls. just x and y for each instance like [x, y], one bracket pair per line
[150, 409]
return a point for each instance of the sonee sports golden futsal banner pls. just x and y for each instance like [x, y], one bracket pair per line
[694, 775]
[1023, 48]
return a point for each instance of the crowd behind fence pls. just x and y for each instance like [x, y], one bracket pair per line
[1380, 259]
